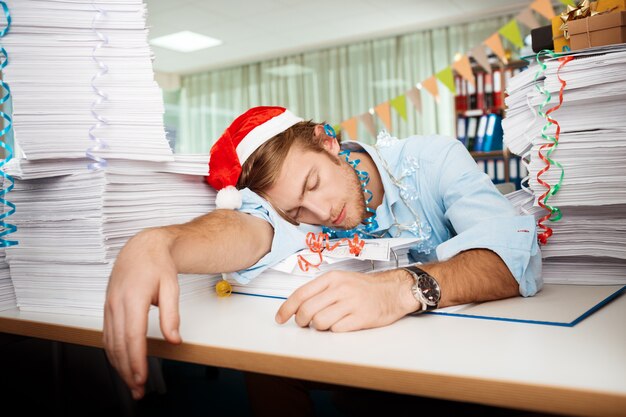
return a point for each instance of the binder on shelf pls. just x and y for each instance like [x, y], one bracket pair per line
[493, 136]
[500, 171]
[461, 130]
[471, 95]
[481, 165]
[497, 89]
[480, 134]
[488, 99]
[491, 169]
[514, 171]
[472, 128]
[480, 90]
[457, 97]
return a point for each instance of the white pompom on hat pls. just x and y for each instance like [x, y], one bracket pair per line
[244, 136]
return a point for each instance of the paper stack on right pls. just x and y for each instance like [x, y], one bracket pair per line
[567, 118]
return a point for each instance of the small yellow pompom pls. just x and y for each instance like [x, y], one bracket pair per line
[223, 289]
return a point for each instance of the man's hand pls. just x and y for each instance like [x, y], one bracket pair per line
[344, 301]
[144, 274]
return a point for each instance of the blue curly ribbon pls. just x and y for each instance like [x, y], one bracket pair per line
[6, 227]
[365, 230]
[100, 144]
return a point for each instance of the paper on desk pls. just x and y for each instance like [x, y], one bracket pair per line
[374, 250]
[556, 305]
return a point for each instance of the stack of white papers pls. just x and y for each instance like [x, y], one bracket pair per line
[50, 74]
[71, 227]
[588, 245]
[7, 293]
[285, 277]
[72, 222]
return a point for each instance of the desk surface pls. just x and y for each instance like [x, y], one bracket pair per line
[577, 371]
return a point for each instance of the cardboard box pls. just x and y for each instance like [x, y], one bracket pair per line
[612, 5]
[599, 30]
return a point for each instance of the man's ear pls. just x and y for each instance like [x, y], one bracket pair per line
[330, 144]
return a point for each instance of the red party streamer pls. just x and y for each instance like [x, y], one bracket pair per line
[322, 242]
[551, 190]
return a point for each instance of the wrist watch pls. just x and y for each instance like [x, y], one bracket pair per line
[425, 289]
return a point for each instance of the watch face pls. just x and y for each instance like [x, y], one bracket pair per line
[429, 288]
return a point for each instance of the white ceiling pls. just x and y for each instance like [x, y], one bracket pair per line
[254, 30]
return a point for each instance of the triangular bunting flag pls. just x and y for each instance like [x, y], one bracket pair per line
[415, 96]
[368, 120]
[495, 44]
[383, 111]
[527, 18]
[479, 54]
[544, 8]
[399, 103]
[464, 68]
[431, 86]
[512, 33]
[569, 2]
[350, 127]
[447, 78]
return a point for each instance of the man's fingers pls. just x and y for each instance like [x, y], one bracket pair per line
[289, 307]
[331, 315]
[347, 324]
[309, 308]
[120, 351]
[136, 329]
[168, 310]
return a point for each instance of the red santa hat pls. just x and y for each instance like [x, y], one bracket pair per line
[244, 135]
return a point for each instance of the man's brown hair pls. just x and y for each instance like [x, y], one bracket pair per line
[261, 169]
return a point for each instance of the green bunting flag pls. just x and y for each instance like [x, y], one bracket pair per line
[399, 103]
[447, 78]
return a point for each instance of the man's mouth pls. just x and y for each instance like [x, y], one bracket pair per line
[340, 217]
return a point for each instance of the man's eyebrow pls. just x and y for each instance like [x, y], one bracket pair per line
[306, 181]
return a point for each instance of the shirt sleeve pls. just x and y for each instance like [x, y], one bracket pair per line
[287, 239]
[481, 217]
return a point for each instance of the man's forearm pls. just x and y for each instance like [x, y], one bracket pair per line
[472, 276]
[221, 241]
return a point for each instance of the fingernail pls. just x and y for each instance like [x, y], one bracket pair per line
[137, 378]
[135, 394]
[175, 333]
[278, 319]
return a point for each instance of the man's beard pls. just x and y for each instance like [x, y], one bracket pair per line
[355, 195]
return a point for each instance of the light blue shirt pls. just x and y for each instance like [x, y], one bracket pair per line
[458, 206]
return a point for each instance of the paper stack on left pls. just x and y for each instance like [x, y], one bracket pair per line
[95, 167]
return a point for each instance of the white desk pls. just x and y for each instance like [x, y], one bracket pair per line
[577, 371]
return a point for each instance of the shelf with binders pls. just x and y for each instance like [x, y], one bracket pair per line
[479, 109]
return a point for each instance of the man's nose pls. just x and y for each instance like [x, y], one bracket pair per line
[319, 209]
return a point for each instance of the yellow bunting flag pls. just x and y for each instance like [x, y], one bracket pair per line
[480, 56]
[568, 2]
[544, 8]
[447, 78]
[415, 96]
[337, 128]
[368, 121]
[350, 127]
[399, 103]
[383, 111]
[464, 68]
[431, 86]
[512, 33]
[495, 44]
[528, 19]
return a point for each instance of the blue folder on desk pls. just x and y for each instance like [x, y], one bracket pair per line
[555, 305]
